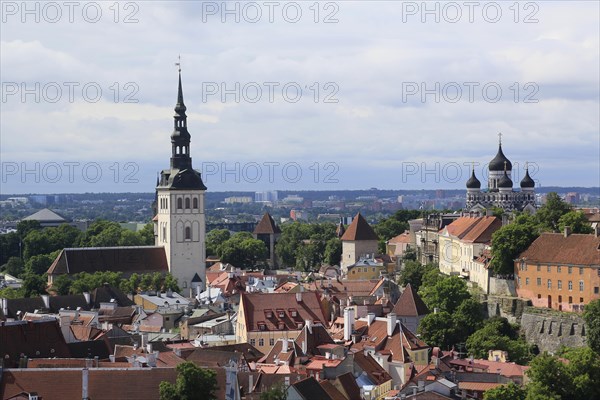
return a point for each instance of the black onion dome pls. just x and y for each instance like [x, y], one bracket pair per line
[497, 163]
[473, 182]
[527, 182]
[505, 182]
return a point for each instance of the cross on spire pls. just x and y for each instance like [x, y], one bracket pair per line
[500, 138]
[526, 165]
[178, 63]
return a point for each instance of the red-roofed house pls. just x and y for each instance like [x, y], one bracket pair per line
[410, 308]
[263, 318]
[560, 271]
[461, 244]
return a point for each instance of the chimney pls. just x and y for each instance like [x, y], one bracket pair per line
[4, 306]
[250, 382]
[46, 300]
[370, 318]
[308, 324]
[287, 381]
[597, 230]
[284, 345]
[299, 297]
[88, 298]
[567, 231]
[84, 384]
[348, 323]
[391, 323]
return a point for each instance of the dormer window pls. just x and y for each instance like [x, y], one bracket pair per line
[299, 325]
[280, 313]
[281, 326]
[262, 326]
[293, 312]
[269, 313]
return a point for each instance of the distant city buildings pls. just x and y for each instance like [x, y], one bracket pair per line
[268, 196]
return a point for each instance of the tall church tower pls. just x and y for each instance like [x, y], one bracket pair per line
[180, 219]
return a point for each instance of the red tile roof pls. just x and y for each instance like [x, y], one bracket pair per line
[555, 248]
[401, 238]
[410, 304]
[474, 229]
[359, 229]
[266, 226]
[265, 308]
[478, 386]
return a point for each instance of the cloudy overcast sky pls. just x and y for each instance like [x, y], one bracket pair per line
[394, 95]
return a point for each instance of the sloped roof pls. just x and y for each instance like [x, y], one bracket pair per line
[310, 389]
[359, 229]
[474, 229]
[46, 215]
[266, 226]
[374, 371]
[255, 306]
[410, 304]
[22, 337]
[138, 259]
[555, 248]
[105, 293]
[401, 238]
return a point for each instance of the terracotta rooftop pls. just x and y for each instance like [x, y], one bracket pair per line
[474, 229]
[478, 386]
[280, 311]
[266, 226]
[555, 248]
[410, 304]
[401, 238]
[359, 229]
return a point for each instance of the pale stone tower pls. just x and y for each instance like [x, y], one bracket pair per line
[180, 219]
[358, 240]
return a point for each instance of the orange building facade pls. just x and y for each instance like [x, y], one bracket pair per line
[560, 271]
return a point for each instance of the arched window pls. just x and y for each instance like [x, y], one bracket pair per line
[179, 204]
[187, 203]
[188, 233]
[195, 202]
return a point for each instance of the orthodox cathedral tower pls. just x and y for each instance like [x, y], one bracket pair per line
[500, 192]
[180, 223]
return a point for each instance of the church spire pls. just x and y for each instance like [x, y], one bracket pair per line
[180, 138]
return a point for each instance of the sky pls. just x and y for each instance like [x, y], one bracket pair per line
[299, 95]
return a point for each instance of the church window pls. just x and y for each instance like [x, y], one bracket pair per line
[195, 203]
[187, 203]
[179, 204]
[188, 233]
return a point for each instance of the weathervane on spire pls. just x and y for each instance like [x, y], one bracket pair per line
[500, 138]
[178, 64]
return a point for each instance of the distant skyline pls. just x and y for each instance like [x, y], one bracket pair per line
[390, 98]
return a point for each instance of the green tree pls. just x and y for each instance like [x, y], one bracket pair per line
[9, 247]
[147, 234]
[548, 215]
[437, 329]
[242, 250]
[193, 383]
[39, 264]
[498, 334]
[412, 273]
[33, 284]
[576, 220]
[214, 239]
[510, 391]
[333, 251]
[62, 284]
[170, 283]
[446, 295]
[467, 318]
[275, 392]
[511, 240]
[591, 315]
[26, 226]
[13, 267]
